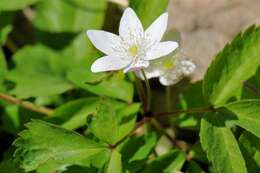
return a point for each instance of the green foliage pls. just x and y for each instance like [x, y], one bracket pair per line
[149, 10]
[3, 67]
[134, 158]
[64, 16]
[247, 115]
[33, 80]
[115, 164]
[44, 142]
[167, 163]
[194, 168]
[5, 25]
[96, 124]
[7, 5]
[109, 126]
[73, 115]
[250, 148]
[221, 146]
[235, 64]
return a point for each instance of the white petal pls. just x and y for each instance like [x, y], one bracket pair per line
[109, 63]
[156, 31]
[161, 49]
[188, 67]
[170, 80]
[104, 41]
[130, 25]
[149, 73]
[137, 65]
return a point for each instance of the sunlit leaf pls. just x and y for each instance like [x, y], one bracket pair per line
[43, 142]
[220, 145]
[238, 61]
[7, 5]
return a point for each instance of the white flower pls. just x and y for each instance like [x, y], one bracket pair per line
[170, 70]
[134, 47]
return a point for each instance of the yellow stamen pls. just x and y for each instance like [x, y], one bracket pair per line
[133, 50]
[168, 64]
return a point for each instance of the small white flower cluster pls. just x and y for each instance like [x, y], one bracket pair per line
[136, 49]
[170, 70]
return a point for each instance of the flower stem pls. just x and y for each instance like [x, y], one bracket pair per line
[25, 104]
[140, 91]
[195, 110]
[148, 90]
[168, 98]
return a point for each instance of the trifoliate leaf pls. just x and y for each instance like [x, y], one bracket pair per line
[221, 145]
[44, 142]
[238, 61]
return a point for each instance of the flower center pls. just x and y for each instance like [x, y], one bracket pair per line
[133, 50]
[168, 64]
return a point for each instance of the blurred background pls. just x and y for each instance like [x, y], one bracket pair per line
[207, 25]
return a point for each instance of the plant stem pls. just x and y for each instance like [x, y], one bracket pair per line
[252, 88]
[168, 98]
[148, 90]
[11, 45]
[195, 110]
[26, 104]
[140, 90]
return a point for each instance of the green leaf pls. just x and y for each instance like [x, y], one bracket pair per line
[5, 25]
[115, 164]
[149, 10]
[77, 169]
[190, 97]
[250, 148]
[167, 163]
[9, 166]
[196, 153]
[235, 64]
[111, 126]
[3, 68]
[39, 72]
[220, 145]
[73, 115]
[113, 86]
[194, 168]
[44, 142]
[15, 117]
[246, 115]
[7, 5]
[81, 54]
[65, 16]
[134, 157]
[88, 4]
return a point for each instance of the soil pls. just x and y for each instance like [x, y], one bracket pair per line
[207, 25]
